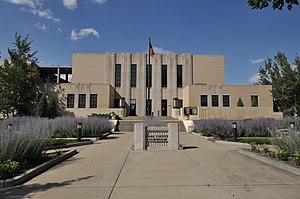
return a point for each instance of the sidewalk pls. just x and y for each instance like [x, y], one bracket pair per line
[110, 169]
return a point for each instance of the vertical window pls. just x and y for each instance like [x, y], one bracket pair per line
[81, 101]
[118, 75]
[254, 100]
[180, 103]
[214, 100]
[70, 100]
[93, 100]
[133, 75]
[226, 101]
[179, 75]
[164, 76]
[149, 70]
[203, 100]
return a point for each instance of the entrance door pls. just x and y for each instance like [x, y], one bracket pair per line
[132, 107]
[148, 107]
[164, 107]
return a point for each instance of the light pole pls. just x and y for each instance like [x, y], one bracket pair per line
[234, 127]
[79, 127]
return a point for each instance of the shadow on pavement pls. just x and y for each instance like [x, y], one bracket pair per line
[189, 147]
[23, 191]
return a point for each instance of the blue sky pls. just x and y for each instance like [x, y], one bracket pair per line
[245, 37]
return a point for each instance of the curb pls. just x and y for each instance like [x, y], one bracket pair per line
[271, 162]
[69, 145]
[36, 171]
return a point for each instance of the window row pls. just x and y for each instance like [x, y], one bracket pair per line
[82, 101]
[226, 101]
[133, 75]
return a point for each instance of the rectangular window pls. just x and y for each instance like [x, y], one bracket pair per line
[149, 70]
[215, 100]
[180, 103]
[254, 100]
[81, 101]
[70, 100]
[93, 101]
[203, 100]
[179, 76]
[226, 101]
[164, 76]
[118, 75]
[133, 75]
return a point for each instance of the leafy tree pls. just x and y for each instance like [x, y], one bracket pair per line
[240, 103]
[52, 107]
[285, 81]
[42, 106]
[18, 79]
[276, 4]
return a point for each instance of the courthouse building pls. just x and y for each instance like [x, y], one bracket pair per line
[181, 85]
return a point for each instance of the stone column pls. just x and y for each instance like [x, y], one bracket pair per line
[139, 136]
[173, 138]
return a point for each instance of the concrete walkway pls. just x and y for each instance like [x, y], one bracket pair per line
[110, 169]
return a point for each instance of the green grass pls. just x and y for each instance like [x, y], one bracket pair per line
[256, 140]
[59, 142]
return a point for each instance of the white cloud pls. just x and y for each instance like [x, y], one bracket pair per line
[158, 50]
[83, 33]
[47, 14]
[253, 78]
[59, 29]
[99, 1]
[70, 4]
[257, 61]
[28, 3]
[43, 27]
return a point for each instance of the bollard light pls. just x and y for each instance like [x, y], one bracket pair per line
[292, 125]
[234, 126]
[9, 127]
[79, 127]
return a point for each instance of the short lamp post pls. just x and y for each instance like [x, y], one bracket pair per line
[79, 127]
[234, 127]
[292, 125]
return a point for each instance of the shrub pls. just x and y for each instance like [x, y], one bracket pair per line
[91, 126]
[260, 127]
[8, 169]
[289, 142]
[266, 149]
[24, 140]
[297, 158]
[257, 140]
[282, 155]
[254, 147]
[215, 127]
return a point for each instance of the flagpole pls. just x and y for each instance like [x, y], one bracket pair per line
[148, 69]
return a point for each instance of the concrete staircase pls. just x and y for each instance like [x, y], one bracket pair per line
[127, 123]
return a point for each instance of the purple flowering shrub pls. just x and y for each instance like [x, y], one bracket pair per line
[91, 126]
[214, 127]
[22, 139]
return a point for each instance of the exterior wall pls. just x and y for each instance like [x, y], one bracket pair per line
[264, 109]
[201, 74]
[105, 96]
[208, 69]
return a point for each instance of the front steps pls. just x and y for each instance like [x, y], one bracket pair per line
[127, 123]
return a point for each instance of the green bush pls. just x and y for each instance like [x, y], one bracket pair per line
[9, 169]
[297, 158]
[254, 147]
[257, 140]
[282, 155]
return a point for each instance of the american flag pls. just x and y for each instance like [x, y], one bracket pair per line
[151, 50]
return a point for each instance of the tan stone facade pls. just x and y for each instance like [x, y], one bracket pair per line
[118, 83]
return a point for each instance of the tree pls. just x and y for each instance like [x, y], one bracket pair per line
[276, 4]
[42, 106]
[240, 103]
[285, 81]
[18, 79]
[52, 107]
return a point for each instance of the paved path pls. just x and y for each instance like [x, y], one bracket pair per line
[109, 169]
